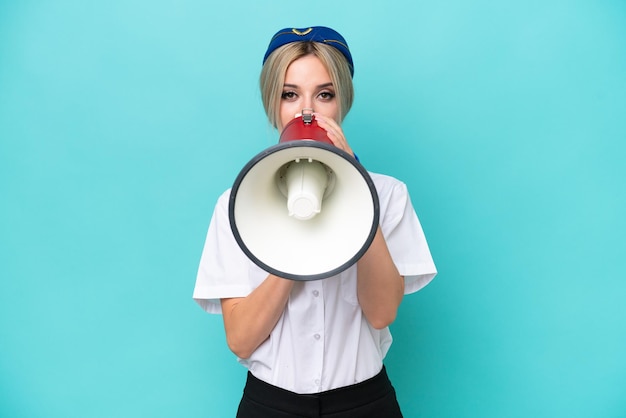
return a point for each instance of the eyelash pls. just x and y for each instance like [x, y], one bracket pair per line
[326, 95]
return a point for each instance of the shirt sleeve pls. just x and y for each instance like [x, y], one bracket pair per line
[224, 270]
[405, 237]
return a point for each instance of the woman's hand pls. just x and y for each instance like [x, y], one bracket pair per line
[334, 132]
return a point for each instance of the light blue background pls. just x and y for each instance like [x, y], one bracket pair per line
[122, 121]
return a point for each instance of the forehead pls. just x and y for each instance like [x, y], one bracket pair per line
[305, 68]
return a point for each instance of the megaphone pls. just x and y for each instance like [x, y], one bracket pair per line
[304, 209]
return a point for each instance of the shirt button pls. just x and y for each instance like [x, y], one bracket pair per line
[316, 293]
[317, 336]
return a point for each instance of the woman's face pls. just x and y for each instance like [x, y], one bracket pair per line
[308, 86]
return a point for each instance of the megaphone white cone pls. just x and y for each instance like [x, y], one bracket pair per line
[312, 249]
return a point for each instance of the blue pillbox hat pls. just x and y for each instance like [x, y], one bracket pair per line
[320, 34]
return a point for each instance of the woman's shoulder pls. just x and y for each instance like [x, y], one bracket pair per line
[223, 198]
[384, 182]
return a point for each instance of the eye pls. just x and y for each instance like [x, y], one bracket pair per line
[288, 95]
[327, 95]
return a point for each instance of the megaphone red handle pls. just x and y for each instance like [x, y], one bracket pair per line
[297, 129]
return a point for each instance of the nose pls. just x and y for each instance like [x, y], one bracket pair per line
[307, 103]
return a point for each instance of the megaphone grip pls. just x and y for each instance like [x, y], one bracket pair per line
[306, 182]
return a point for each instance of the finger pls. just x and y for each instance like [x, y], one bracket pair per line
[335, 134]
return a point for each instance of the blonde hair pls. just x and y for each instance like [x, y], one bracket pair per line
[275, 68]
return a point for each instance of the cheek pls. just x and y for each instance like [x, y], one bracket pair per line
[285, 116]
[287, 112]
[330, 110]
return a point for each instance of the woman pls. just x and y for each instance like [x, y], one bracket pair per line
[315, 348]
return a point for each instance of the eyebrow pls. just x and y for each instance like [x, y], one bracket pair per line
[321, 86]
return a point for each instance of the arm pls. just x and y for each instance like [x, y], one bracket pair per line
[249, 321]
[380, 288]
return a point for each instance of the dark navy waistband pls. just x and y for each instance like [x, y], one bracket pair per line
[335, 400]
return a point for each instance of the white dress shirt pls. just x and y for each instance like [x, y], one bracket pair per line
[323, 340]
